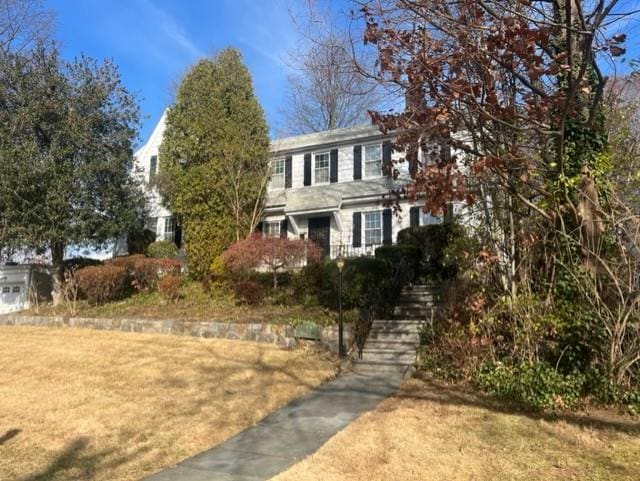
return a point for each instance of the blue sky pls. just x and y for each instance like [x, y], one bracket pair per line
[155, 41]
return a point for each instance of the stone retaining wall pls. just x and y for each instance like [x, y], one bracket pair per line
[281, 335]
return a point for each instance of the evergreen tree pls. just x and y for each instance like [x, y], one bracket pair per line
[214, 157]
[66, 134]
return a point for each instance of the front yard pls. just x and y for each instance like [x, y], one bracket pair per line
[196, 305]
[100, 405]
[430, 431]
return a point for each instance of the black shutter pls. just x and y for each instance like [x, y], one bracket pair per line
[357, 162]
[259, 228]
[445, 153]
[414, 216]
[284, 226]
[287, 172]
[307, 169]
[333, 166]
[357, 229]
[386, 157]
[386, 227]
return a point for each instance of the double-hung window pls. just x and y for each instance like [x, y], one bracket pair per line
[272, 229]
[322, 168]
[153, 167]
[373, 160]
[430, 219]
[170, 228]
[152, 225]
[277, 174]
[372, 228]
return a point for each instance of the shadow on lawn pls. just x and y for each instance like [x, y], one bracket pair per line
[449, 394]
[10, 434]
[77, 461]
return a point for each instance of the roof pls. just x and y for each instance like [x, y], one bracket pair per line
[335, 136]
[327, 197]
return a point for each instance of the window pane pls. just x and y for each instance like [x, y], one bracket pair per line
[6, 290]
[16, 289]
[373, 228]
[428, 219]
[272, 229]
[372, 160]
[373, 169]
[322, 168]
[277, 174]
[153, 167]
[372, 152]
[170, 228]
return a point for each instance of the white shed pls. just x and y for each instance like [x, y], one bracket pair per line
[23, 285]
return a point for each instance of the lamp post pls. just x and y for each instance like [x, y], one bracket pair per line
[340, 264]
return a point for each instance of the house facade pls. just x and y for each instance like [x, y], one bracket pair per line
[327, 187]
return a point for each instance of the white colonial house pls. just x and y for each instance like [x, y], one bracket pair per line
[327, 187]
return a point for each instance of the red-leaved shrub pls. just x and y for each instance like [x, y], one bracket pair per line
[145, 272]
[273, 253]
[169, 287]
[250, 292]
[101, 284]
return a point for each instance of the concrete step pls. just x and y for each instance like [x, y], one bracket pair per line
[400, 336]
[392, 344]
[382, 364]
[412, 313]
[390, 358]
[398, 324]
[416, 303]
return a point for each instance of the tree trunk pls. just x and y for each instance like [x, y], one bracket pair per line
[57, 259]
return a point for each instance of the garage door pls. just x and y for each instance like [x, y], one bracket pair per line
[12, 298]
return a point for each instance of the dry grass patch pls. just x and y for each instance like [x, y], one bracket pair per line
[431, 431]
[101, 405]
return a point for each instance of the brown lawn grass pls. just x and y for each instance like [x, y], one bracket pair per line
[81, 404]
[433, 432]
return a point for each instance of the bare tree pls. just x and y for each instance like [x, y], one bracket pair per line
[326, 89]
[22, 23]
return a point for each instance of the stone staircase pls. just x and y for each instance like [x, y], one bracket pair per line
[392, 343]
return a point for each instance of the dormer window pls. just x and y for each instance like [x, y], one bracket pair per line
[373, 160]
[277, 174]
[321, 170]
[153, 167]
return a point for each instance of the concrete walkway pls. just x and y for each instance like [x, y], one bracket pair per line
[288, 435]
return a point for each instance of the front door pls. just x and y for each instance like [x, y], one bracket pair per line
[320, 233]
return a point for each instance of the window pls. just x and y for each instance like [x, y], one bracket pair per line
[372, 160]
[153, 167]
[16, 289]
[372, 228]
[6, 290]
[272, 229]
[429, 219]
[322, 168]
[277, 174]
[170, 228]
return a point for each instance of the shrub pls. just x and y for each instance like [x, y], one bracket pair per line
[250, 292]
[139, 240]
[360, 276]
[274, 253]
[145, 272]
[162, 249]
[169, 287]
[101, 284]
[432, 242]
[396, 255]
[536, 385]
[76, 263]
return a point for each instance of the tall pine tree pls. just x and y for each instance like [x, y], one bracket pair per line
[214, 159]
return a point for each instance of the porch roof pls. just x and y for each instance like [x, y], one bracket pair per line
[328, 197]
